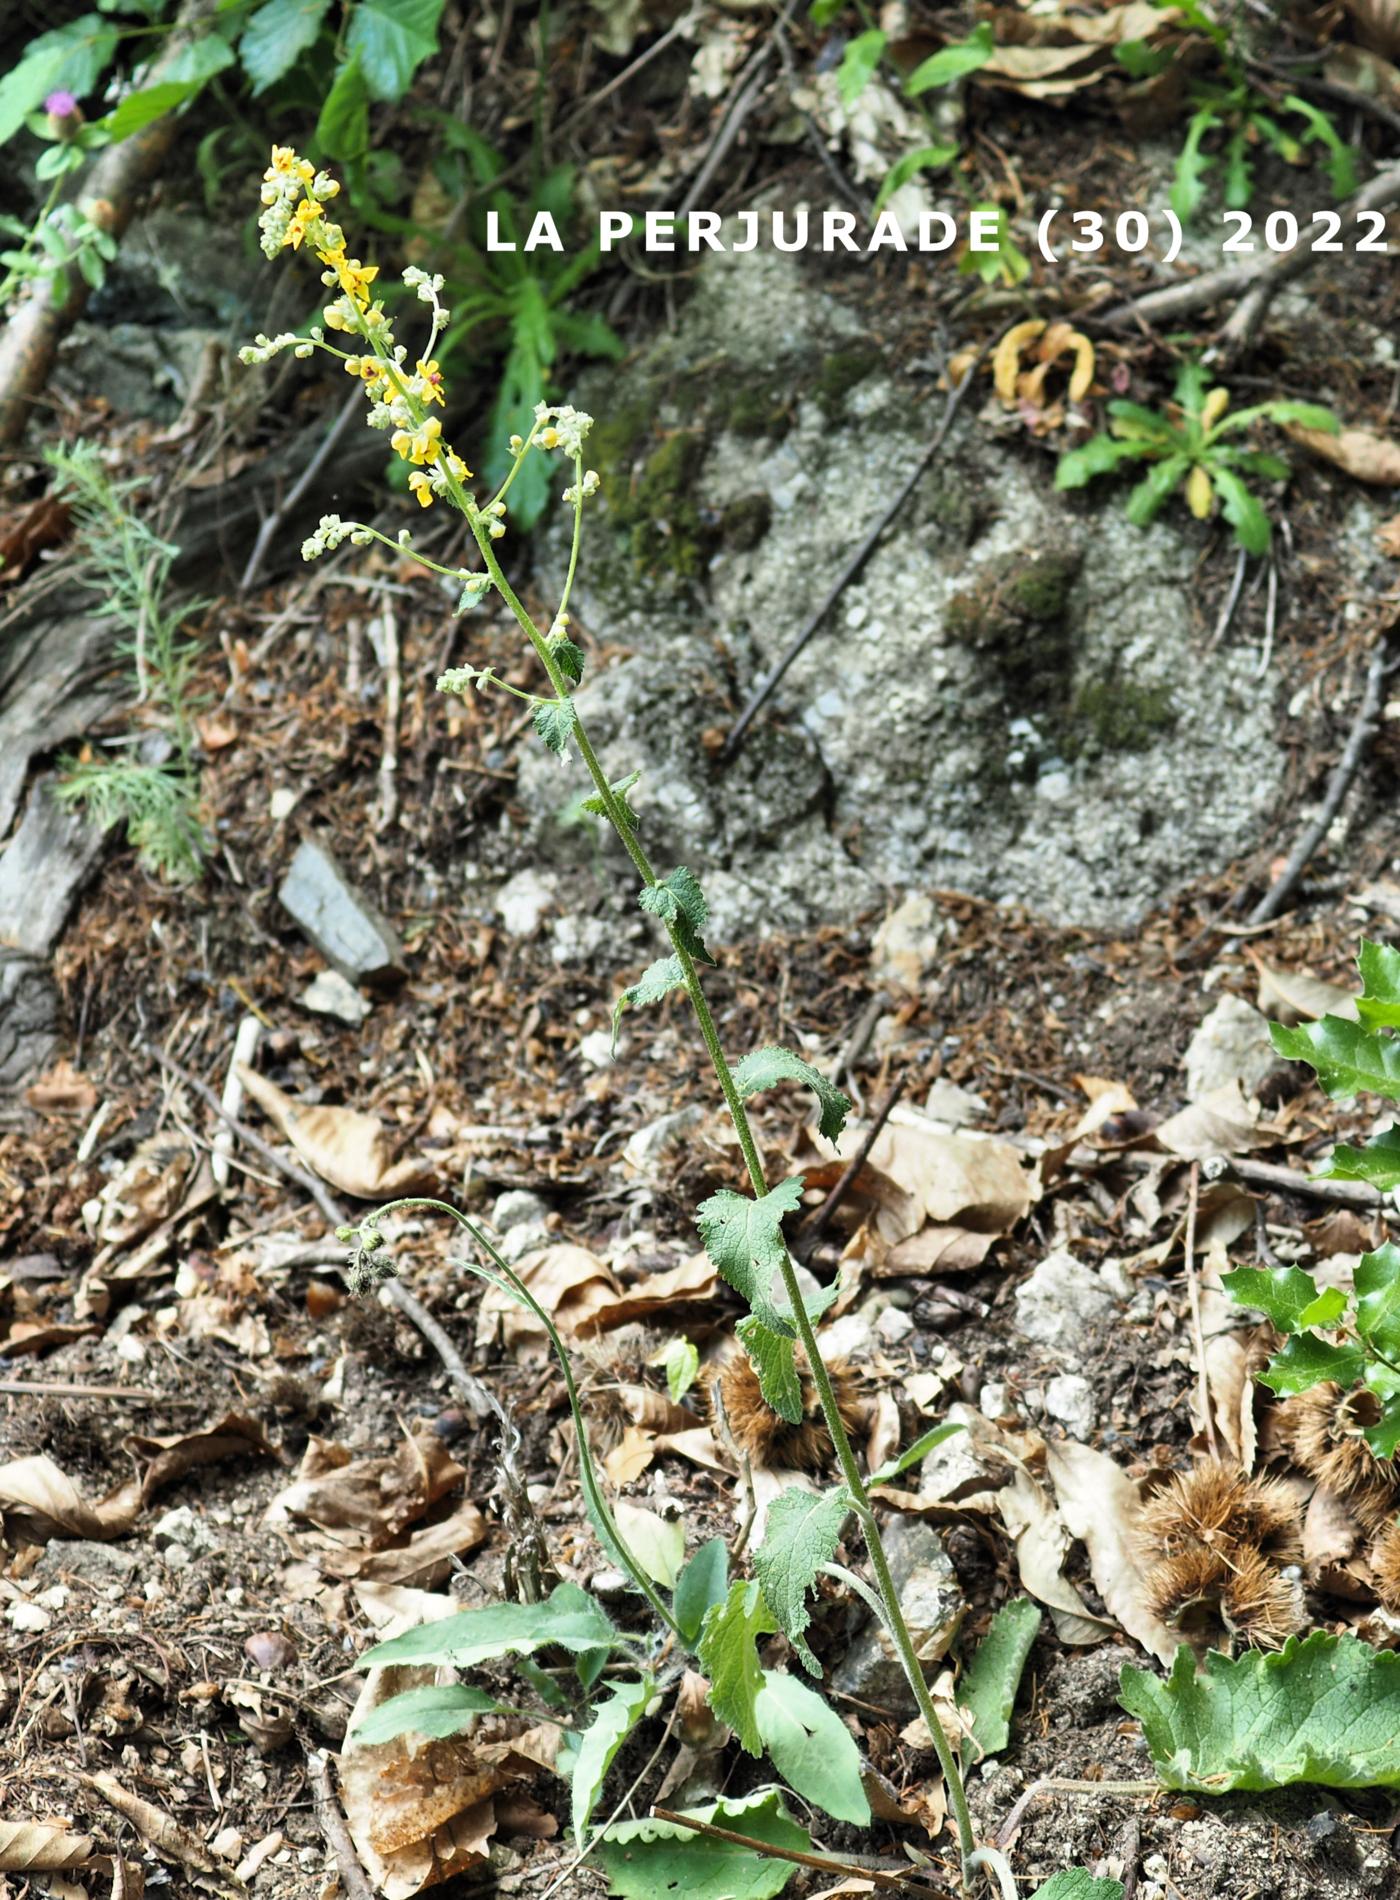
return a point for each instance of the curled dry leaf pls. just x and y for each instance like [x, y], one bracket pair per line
[164, 1835]
[1221, 1123]
[570, 1283]
[1100, 1506]
[1295, 997]
[63, 1091]
[41, 1847]
[1388, 537]
[693, 1280]
[1360, 453]
[1377, 24]
[351, 1150]
[1042, 1540]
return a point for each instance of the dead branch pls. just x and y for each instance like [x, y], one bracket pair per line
[332, 1824]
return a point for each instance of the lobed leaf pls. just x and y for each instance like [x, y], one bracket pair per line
[1283, 1294]
[555, 720]
[744, 1238]
[1324, 1710]
[568, 1616]
[1378, 1005]
[645, 1860]
[1145, 502]
[801, 1534]
[1349, 1059]
[657, 981]
[1242, 510]
[1378, 1162]
[1377, 1284]
[811, 1747]
[1307, 1361]
[679, 901]
[729, 1657]
[766, 1068]
[620, 791]
[989, 1684]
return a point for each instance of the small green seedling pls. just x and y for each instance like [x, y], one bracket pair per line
[1194, 444]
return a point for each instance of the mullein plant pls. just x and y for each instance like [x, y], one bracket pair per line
[701, 1612]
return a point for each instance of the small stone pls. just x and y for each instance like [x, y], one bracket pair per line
[610, 1585]
[576, 939]
[42, 869]
[518, 1207]
[907, 942]
[283, 803]
[647, 1146]
[1061, 1300]
[329, 994]
[1070, 1399]
[850, 1337]
[892, 1326]
[1231, 1045]
[959, 1108]
[522, 902]
[992, 1399]
[933, 1604]
[342, 924]
[595, 1049]
[181, 1529]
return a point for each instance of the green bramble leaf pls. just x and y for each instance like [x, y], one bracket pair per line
[555, 720]
[1283, 1294]
[438, 1711]
[1325, 1710]
[1377, 1284]
[802, 1531]
[1378, 1005]
[1378, 1162]
[392, 38]
[988, 1688]
[729, 1657]
[1307, 1361]
[598, 1745]
[766, 1068]
[952, 62]
[276, 36]
[1349, 1059]
[619, 791]
[571, 658]
[811, 1747]
[659, 980]
[774, 1359]
[744, 1238]
[1077, 1883]
[646, 1860]
[568, 1616]
[679, 901]
[701, 1585]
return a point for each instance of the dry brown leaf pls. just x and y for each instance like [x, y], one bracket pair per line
[423, 1559]
[1100, 1506]
[630, 1456]
[1388, 537]
[1377, 24]
[920, 1174]
[656, 1411]
[63, 1091]
[155, 1827]
[1041, 1539]
[569, 1282]
[698, 1446]
[1106, 1099]
[147, 1191]
[351, 1150]
[694, 1279]
[1360, 453]
[28, 1336]
[1221, 1123]
[38, 1847]
[937, 1250]
[368, 1498]
[1295, 997]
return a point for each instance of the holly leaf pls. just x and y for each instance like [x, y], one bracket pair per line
[393, 38]
[766, 1068]
[1377, 1284]
[1378, 1005]
[802, 1531]
[729, 1657]
[644, 1860]
[657, 981]
[774, 1359]
[555, 720]
[438, 1711]
[1384, 1435]
[744, 1238]
[568, 1616]
[1282, 1294]
[276, 36]
[679, 901]
[1349, 1059]
[1325, 1710]
[1307, 1361]
[989, 1684]
[811, 1747]
[612, 1724]
[701, 1585]
[1378, 1162]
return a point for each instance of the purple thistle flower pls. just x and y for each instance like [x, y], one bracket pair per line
[60, 105]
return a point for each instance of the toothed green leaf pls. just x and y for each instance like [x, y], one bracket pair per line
[1283, 1294]
[744, 1238]
[775, 1361]
[801, 1533]
[1325, 1710]
[729, 1657]
[659, 980]
[1307, 1361]
[766, 1068]
[657, 1860]
[1378, 1005]
[679, 900]
[1377, 1284]
[571, 659]
[555, 720]
[1378, 1162]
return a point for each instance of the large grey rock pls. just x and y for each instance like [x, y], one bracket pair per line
[1007, 700]
[342, 923]
[933, 1605]
[1062, 1300]
[28, 1020]
[42, 869]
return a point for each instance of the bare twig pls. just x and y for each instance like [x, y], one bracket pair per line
[271, 525]
[1055, 1784]
[854, 562]
[1193, 1295]
[383, 633]
[1232, 600]
[1269, 1174]
[898, 1882]
[71, 1389]
[1362, 732]
[478, 1399]
[333, 1825]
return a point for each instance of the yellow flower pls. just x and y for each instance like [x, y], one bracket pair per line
[430, 377]
[457, 466]
[355, 278]
[368, 368]
[286, 162]
[418, 445]
[333, 256]
[304, 218]
[422, 487]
